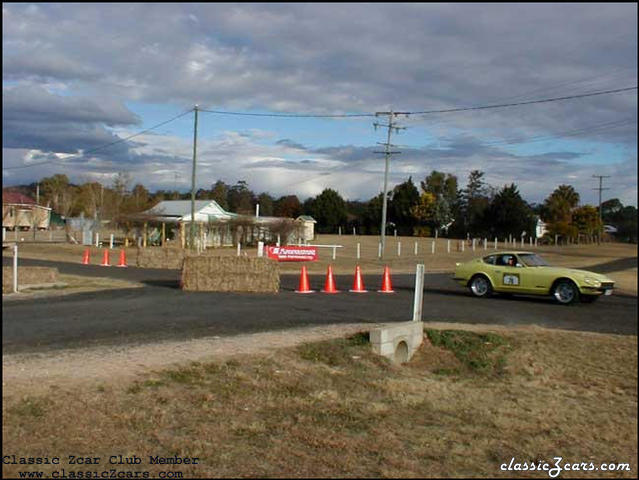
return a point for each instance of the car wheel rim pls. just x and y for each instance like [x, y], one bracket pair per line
[479, 287]
[564, 293]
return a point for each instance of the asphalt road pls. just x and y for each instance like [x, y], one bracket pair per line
[160, 310]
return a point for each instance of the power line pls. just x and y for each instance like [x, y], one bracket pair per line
[92, 150]
[503, 105]
[289, 115]
[570, 133]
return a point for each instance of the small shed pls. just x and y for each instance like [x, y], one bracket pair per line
[23, 213]
[308, 227]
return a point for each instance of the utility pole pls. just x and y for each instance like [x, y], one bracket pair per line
[391, 125]
[600, 177]
[192, 232]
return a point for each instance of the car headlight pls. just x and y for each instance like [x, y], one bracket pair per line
[591, 281]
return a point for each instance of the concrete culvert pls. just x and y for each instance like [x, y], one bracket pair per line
[401, 353]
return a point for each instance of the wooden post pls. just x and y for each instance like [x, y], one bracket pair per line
[163, 233]
[144, 235]
[182, 235]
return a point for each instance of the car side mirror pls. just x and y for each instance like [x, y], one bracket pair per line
[518, 264]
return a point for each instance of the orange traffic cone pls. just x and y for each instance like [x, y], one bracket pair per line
[387, 287]
[304, 286]
[329, 285]
[122, 259]
[358, 283]
[85, 257]
[105, 259]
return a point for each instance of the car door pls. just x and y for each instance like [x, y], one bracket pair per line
[507, 277]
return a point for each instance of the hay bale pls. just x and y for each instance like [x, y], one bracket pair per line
[160, 257]
[230, 274]
[28, 276]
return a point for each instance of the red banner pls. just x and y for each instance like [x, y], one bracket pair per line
[292, 253]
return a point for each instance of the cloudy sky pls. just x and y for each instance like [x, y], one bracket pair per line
[79, 77]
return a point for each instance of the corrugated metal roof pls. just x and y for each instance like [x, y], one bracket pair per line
[17, 197]
[176, 208]
[204, 209]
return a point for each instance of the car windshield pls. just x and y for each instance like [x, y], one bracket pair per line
[533, 260]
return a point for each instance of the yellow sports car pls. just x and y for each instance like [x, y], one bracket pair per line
[528, 274]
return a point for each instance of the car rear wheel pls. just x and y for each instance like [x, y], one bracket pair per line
[565, 292]
[480, 286]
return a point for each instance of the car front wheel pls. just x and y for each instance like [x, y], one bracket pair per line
[565, 292]
[480, 286]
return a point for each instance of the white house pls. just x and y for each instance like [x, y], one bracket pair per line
[540, 228]
[217, 227]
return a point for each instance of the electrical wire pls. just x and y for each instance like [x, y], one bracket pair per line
[93, 150]
[515, 104]
[287, 115]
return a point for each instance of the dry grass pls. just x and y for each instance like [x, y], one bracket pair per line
[333, 409]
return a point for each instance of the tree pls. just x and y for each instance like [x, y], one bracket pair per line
[140, 196]
[371, 217]
[624, 218]
[219, 193]
[56, 191]
[424, 212]
[91, 198]
[586, 219]
[560, 203]
[328, 209]
[558, 208]
[441, 184]
[473, 202]
[266, 204]
[288, 206]
[404, 197]
[610, 210]
[240, 199]
[509, 214]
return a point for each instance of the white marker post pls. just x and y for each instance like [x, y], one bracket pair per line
[260, 249]
[334, 252]
[358, 251]
[379, 250]
[495, 243]
[15, 268]
[463, 242]
[415, 248]
[97, 239]
[485, 244]
[418, 300]
[432, 248]
[473, 244]
[111, 242]
[399, 249]
[239, 248]
[448, 246]
[278, 240]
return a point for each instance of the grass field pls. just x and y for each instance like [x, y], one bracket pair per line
[578, 256]
[467, 402]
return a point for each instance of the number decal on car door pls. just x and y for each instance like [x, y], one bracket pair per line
[510, 279]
